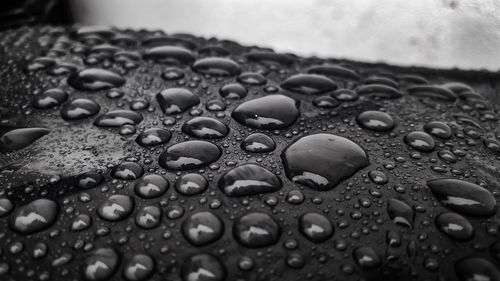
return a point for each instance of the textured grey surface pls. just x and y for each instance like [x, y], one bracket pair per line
[443, 34]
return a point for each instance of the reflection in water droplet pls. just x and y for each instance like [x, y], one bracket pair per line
[191, 184]
[455, 226]
[375, 121]
[476, 269]
[308, 84]
[151, 186]
[202, 228]
[420, 141]
[88, 180]
[34, 217]
[127, 171]
[258, 143]
[400, 213]
[153, 136]
[215, 66]
[366, 258]
[95, 79]
[79, 109]
[20, 138]
[233, 91]
[205, 128]
[203, 267]
[170, 55]
[50, 98]
[255, 230]
[100, 264]
[315, 227]
[249, 179]
[176, 100]
[148, 217]
[116, 207]
[140, 267]
[189, 155]
[118, 118]
[321, 161]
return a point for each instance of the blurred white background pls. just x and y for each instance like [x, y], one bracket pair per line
[436, 33]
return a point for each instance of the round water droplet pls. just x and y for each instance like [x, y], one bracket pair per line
[88, 180]
[268, 113]
[366, 258]
[139, 268]
[151, 186]
[100, 264]
[463, 197]
[476, 269]
[79, 109]
[249, 179]
[153, 136]
[378, 177]
[81, 222]
[95, 79]
[35, 216]
[321, 161]
[400, 213]
[6, 206]
[202, 228]
[20, 138]
[173, 73]
[233, 91]
[258, 143]
[438, 129]
[315, 227]
[252, 78]
[189, 155]
[345, 95]
[205, 128]
[148, 217]
[50, 98]
[170, 55]
[375, 121]
[325, 102]
[127, 171]
[191, 184]
[308, 84]
[420, 141]
[118, 118]
[203, 267]
[116, 207]
[455, 226]
[255, 230]
[215, 66]
[176, 100]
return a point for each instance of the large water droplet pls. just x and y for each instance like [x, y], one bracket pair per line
[118, 118]
[50, 98]
[420, 141]
[202, 228]
[79, 109]
[217, 66]
[455, 226]
[100, 264]
[191, 184]
[366, 258]
[88, 180]
[321, 161]
[95, 79]
[258, 143]
[20, 138]
[476, 269]
[151, 186]
[205, 128]
[463, 197]
[375, 121]
[233, 91]
[6, 206]
[153, 136]
[176, 100]
[400, 213]
[315, 227]
[116, 207]
[269, 112]
[203, 267]
[127, 171]
[379, 91]
[255, 230]
[36, 216]
[438, 129]
[189, 155]
[336, 71]
[139, 268]
[308, 84]
[170, 55]
[249, 179]
[148, 217]
[432, 91]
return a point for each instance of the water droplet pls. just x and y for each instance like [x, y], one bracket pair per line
[6, 206]
[35, 216]
[116, 207]
[379, 91]
[118, 118]
[127, 171]
[308, 84]
[420, 141]
[336, 71]
[400, 213]
[476, 269]
[267, 57]
[366, 258]
[257, 229]
[176, 100]
[148, 217]
[153, 136]
[79, 109]
[345, 95]
[139, 268]
[203, 267]
[432, 91]
[438, 129]
[463, 197]
[268, 113]
[455, 226]
[191, 184]
[88, 180]
[258, 143]
[170, 55]
[378, 177]
[50, 98]
[249, 179]
[95, 79]
[375, 121]
[233, 91]
[202, 228]
[321, 161]
[315, 227]
[189, 155]
[20, 138]
[100, 264]
[325, 102]
[205, 128]
[151, 186]
[81, 222]
[173, 73]
[215, 66]
[252, 78]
